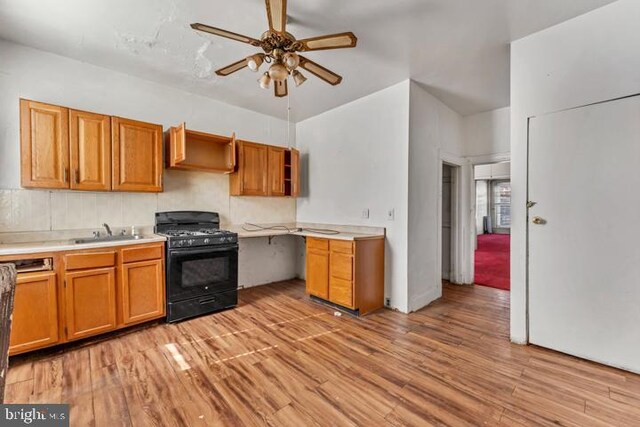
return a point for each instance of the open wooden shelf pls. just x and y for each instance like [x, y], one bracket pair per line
[193, 150]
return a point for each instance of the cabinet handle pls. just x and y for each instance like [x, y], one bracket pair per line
[76, 176]
[66, 175]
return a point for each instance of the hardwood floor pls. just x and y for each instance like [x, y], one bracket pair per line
[282, 360]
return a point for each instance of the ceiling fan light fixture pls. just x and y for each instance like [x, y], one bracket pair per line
[298, 77]
[291, 60]
[278, 72]
[254, 62]
[265, 81]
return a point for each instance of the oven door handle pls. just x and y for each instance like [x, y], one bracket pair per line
[202, 251]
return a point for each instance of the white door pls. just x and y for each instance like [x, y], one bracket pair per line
[584, 258]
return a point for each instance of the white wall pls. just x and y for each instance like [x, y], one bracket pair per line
[487, 134]
[591, 58]
[355, 157]
[33, 74]
[435, 132]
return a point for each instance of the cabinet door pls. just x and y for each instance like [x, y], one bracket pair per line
[44, 139]
[177, 145]
[35, 312]
[137, 155]
[295, 172]
[142, 291]
[318, 273]
[253, 169]
[90, 147]
[90, 297]
[276, 171]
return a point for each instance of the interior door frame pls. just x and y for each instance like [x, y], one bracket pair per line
[459, 265]
[472, 235]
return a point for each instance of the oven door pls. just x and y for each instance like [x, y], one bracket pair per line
[200, 271]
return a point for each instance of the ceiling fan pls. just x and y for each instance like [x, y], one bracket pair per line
[281, 51]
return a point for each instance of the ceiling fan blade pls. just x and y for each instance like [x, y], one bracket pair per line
[320, 72]
[230, 69]
[280, 88]
[332, 41]
[227, 34]
[277, 15]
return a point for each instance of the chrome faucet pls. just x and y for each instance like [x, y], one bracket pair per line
[108, 229]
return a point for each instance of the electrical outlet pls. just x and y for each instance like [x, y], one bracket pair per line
[387, 302]
[391, 214]
[365, 213]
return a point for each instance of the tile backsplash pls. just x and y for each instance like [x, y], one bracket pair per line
[40, 210]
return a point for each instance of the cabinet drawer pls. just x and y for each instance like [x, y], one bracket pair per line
[341, 292]
[90, 260]
[341, 266]
[142, 253]
[342, 246]
[319, 244]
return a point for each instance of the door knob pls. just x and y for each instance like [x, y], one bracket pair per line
[538, 220]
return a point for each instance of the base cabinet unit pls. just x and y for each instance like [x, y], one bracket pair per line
[90, 299]
[349, 273]
[87, 293]
[35, 312]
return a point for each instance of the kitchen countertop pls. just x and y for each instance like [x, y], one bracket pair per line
[67, 245]
[323, 231]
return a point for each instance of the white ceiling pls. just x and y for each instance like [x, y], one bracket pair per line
[457, 49]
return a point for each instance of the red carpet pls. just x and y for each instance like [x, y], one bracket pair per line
[492, 261]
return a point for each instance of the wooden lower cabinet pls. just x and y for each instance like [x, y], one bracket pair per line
[86, 294]
[35, 312]
[347, 273]
[90, 299]
[142, 291]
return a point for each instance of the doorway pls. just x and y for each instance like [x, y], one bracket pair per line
[493, 225]
[447, 220]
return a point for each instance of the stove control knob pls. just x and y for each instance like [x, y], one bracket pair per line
[190, 242]
[207, 241]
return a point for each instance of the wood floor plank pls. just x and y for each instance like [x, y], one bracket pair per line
[279, 359]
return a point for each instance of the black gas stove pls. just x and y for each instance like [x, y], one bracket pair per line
[202, 263]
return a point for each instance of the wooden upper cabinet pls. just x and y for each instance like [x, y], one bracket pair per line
[193, 150]
[90, 300]
[90, 149]
[266, 170]
[251, 178]
[136, 155]
[35, 312]
[44, 134]
[295, 173]
[276, 171]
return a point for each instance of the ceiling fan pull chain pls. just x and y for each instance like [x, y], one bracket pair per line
[289, 120]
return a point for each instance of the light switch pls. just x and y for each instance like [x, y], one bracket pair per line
[365, 213]
[391, 214]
